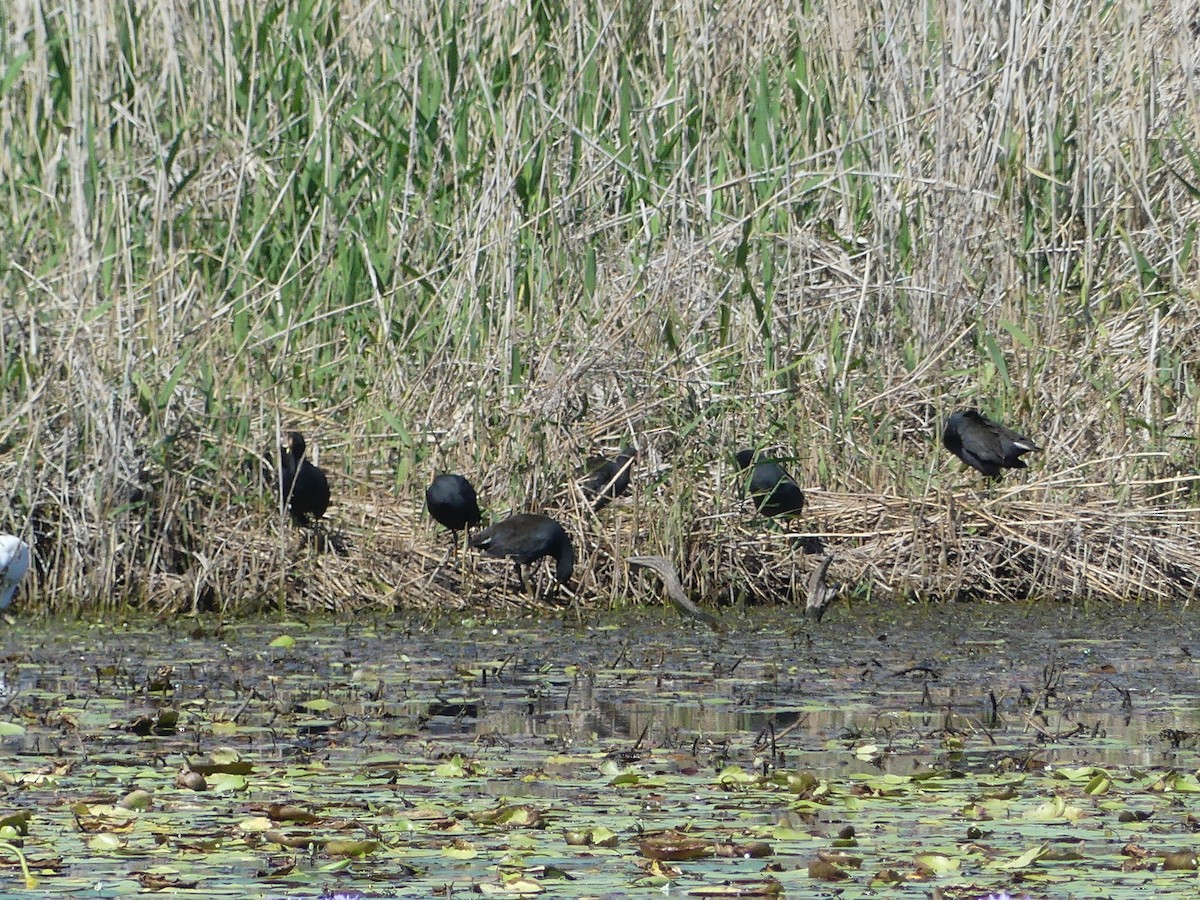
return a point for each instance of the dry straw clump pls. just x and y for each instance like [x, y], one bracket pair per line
[493, 238]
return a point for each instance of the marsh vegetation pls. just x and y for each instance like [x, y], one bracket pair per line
[493, 238]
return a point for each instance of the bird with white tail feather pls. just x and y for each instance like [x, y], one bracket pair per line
[14, 561]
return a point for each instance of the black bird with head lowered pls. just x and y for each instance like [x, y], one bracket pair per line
[773, 490]
[985, 445]
[526, 538]
[452, 502]
[302, 486]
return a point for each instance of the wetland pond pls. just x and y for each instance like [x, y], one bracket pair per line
[944, 751]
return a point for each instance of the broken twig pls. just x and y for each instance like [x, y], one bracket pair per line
[663, 568]
[820, 595]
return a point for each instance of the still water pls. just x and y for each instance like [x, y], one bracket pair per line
[868, 688]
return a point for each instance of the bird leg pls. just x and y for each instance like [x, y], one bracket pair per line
[456, 553]
[464, 558]
[525, 574]
[520, 577]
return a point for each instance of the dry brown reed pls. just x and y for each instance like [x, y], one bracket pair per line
[973, 544]
[492, 238]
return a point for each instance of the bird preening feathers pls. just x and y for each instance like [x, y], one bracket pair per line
[985, 445]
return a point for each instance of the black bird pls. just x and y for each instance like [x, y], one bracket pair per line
[452, 502]
[983, 444]
[609, 478]
[302, 486]
[526, 538]
[773, 490]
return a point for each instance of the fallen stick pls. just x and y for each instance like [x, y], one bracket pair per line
[670, 578]
[820, 595]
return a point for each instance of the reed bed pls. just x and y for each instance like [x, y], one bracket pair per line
[968, 545]
[494, 238]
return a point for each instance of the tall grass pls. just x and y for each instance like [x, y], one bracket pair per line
[489, 237]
